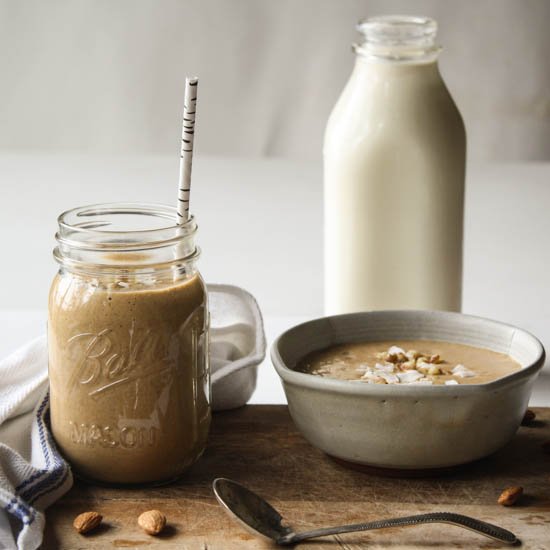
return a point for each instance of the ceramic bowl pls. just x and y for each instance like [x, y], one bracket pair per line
[407, 427]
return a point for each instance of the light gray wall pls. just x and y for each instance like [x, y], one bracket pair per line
[107, 75]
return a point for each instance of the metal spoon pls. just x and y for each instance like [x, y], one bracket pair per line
[254, 513]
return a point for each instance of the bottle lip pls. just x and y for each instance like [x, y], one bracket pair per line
[398, 28]
[398, 37]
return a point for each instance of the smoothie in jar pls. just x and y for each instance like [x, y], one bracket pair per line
[128, 346]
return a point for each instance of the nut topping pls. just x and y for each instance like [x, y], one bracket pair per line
[398, 366]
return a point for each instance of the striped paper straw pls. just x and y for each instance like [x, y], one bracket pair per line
[186, 158]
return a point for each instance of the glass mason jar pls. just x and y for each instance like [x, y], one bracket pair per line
[394, 165]
[128, 344]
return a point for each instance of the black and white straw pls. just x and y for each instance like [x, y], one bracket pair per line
[187, 138]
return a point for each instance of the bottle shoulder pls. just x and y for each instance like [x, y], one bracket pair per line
[393, 109]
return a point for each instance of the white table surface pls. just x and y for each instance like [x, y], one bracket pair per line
[261, 228]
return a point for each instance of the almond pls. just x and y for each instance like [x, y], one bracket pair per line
[528, 417]
[87, 521]
[152, 522]
[510, 496]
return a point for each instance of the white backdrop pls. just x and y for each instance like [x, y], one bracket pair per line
[91, 93]
[107, 76]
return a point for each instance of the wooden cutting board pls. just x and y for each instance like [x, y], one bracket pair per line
[259, 446]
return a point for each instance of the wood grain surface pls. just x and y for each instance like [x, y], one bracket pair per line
[259, 446]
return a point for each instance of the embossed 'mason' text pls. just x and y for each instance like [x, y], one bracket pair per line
[127, 437]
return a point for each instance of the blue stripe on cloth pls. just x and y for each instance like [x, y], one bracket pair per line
[40, 413]
[44, 486]
[43, 446]
[60, 470]
[49, 489]
[44, 479]
[50, 476]
[19, 509]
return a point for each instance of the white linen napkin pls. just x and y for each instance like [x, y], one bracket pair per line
[33, 475]
[237, 345]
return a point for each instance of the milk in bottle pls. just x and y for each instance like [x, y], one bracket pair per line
[394, 161]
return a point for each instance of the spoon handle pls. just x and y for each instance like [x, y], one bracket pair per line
[481, 527]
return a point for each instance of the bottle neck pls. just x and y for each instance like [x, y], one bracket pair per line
[398, 39]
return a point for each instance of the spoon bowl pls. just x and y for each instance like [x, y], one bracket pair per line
[250, 510]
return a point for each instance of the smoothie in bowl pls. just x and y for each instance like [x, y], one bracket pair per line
[407, 390]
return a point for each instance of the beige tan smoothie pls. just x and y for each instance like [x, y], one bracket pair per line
[128, 376]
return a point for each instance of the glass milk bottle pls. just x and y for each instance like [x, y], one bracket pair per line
[394, 162]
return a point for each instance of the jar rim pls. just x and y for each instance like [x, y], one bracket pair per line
[138, 237]
[138, 208]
